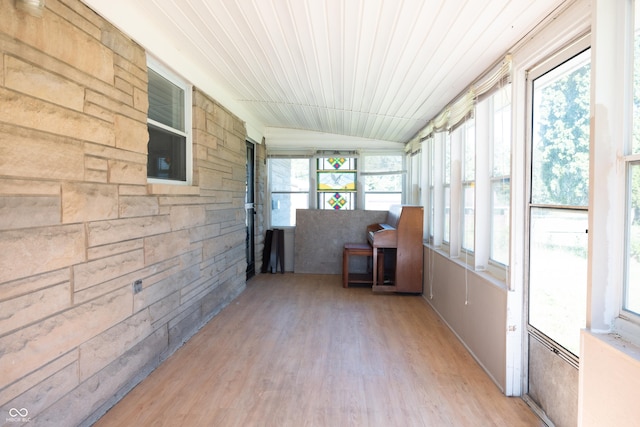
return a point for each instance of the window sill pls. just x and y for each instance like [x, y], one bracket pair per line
[626, 330]
[625, 346]
[172, 189]
[460, 261]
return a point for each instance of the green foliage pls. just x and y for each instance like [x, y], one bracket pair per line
[563, 143]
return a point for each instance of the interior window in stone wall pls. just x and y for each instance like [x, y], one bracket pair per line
[169, 143]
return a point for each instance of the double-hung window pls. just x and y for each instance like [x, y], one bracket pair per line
[446, 185]
[383, 178]
[632, 273]
[468, 155]
[431, 186]
[289, 184]
[631, 296]
[169, 125]
[468, 184]
[500, 177]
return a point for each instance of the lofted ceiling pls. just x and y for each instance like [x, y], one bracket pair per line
[374, 70]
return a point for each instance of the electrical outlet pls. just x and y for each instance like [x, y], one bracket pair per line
[137, 286]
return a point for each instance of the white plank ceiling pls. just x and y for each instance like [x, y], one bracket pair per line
[372, 69]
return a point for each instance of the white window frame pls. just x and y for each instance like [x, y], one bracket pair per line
[310, 193]
[612, 65]
[485, 179]
[164, 71]
[478, 124]
[363, 172]
[428, 153]
[467, 183]
[437, 163]
[631, 160]
[413, 189]
[313, 192]
[497, 178]
[445, 161]
[628, 322]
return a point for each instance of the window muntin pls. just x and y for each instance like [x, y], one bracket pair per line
[383, 178]
[168, 121]
[289, 183]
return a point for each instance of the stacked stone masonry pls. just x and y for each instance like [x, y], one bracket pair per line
[79, 224]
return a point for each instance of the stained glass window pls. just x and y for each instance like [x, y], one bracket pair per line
[336, 180]
[331, 181]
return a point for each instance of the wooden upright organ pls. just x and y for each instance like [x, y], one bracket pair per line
[400, 237]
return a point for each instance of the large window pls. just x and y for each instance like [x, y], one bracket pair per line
[333, 183]
[500, 175]
[559, 200]
[169, 122]
[431, 185]
[468, 184]
[631, 297]
[382, 175]
[468, 156]
[632, 291]
[289, 183]
[446, 185]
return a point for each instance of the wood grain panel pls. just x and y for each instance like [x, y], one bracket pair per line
[301, 350]
[370, 69]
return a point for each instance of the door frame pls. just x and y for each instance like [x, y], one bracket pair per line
[565, 53]
[250, 209]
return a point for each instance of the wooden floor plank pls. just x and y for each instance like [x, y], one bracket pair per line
[301, 350]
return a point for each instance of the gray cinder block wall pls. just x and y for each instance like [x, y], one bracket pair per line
[79, 223]
[321, 235]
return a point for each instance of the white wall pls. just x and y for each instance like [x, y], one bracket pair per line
[609, 364]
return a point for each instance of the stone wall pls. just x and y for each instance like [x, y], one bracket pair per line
[79, 223]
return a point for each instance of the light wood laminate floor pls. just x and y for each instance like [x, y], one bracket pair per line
[300, 350]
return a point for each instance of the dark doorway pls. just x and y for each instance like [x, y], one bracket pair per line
[250, 211]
